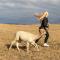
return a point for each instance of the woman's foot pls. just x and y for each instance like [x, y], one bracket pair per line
[46, 45]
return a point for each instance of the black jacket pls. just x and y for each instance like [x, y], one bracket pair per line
[44, 23]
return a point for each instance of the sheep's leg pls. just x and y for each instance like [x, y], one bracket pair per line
[35, 45]
[17, 45]
[17, 40]
[27, 47]
[13, 42]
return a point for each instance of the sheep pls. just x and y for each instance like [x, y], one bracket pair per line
[25, 36]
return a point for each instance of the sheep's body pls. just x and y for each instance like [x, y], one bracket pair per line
[25, 36]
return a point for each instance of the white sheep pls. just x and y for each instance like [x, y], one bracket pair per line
[25, 36]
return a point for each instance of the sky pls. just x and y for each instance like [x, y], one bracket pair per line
[18, 9]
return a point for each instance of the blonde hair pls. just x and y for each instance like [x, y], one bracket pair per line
[46, 14]
[40, 16]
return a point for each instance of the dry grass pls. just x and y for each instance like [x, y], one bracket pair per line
[7, 34]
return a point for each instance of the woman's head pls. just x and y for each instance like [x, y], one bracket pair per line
[46, 14]
[40, 16]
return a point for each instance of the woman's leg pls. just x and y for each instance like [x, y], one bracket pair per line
[46, 38]
[42, 31]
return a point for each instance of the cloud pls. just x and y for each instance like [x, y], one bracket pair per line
[22, 8]
[10, 4]
[25, 3]
[17, 8]
[52, 1]
[19, 3]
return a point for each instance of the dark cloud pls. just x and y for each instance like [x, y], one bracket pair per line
[24, 8]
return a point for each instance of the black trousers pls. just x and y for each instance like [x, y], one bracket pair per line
[47, 34]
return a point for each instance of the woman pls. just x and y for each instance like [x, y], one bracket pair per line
[44, 27]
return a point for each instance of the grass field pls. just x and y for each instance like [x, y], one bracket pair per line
[7, 34]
